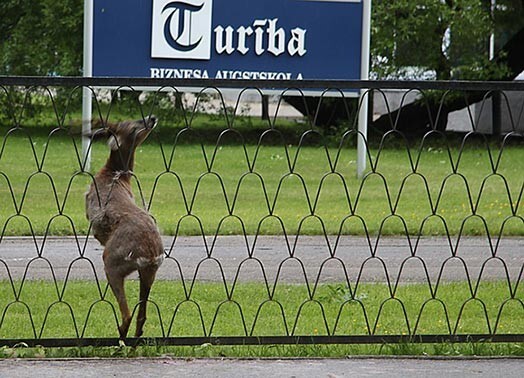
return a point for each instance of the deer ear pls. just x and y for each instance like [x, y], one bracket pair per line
[101, 130]
[113, 142]
[96, 134]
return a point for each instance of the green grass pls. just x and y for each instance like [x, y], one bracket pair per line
[223, 189]
[273, 351]
[85, 311]
[80, 309]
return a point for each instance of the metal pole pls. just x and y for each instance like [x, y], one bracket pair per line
[87, 100]
[364, 75]
[496, 98]
[492, 36]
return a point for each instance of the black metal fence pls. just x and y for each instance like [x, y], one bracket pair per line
[270, 238]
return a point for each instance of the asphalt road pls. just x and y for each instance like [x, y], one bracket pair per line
[294, 260]
[328, 368]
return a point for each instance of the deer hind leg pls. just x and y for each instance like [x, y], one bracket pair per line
[147, 277]
[116, 282]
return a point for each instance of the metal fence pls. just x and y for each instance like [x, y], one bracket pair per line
[270, 238]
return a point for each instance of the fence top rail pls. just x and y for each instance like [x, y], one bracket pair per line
[517, 85]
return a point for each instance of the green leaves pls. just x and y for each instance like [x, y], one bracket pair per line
[41, 37]
[447, 39]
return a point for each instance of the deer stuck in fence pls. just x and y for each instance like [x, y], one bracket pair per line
[130, 237]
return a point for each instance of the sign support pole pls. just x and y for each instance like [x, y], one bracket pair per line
[364, 75]
[87, 100]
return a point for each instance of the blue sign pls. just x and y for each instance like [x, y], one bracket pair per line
[228, 39]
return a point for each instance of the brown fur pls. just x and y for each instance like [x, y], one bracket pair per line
[129, 234]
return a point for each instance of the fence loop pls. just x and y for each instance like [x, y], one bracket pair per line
[270, 238]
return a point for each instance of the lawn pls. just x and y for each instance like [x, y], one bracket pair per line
[81, 308]
[235, 188]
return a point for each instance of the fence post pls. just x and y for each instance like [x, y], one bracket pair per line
[265, 107]
[496, 113]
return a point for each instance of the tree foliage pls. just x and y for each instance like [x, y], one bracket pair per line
[447, 39]
[42, 37]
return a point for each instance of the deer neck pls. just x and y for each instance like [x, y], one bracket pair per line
[120, 162]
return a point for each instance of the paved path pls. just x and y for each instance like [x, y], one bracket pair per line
[272, 252]
[328, 368]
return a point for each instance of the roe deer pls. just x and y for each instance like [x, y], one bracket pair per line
[129, 234]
